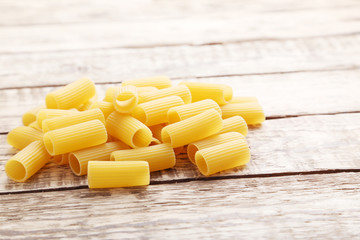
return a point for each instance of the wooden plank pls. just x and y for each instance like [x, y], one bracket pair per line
[281, 95]
[302, 144]
[291, 207]
[208, 27]
[247, 58]
[34, 12]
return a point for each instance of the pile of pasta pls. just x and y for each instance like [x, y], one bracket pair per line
[139, 127]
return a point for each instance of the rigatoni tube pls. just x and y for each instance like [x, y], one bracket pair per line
[72, 119]
[252, 112]
[155, 112]
[159, 82]
[128, 129]
[72, 95]
[22, 136]
[27, 162]
[192, 129]
[222, 157]
[111, 174]
[52, 113]
[125, 99]
[75, 137]
[159, 156]
[234, 124]
[181, 91]
[78, 160]
[106, 108]
[30, 116]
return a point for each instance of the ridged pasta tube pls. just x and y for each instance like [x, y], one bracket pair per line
[72, 95]
[78, 160]
[75, 137]
[251, 112]
[90, 104]
[234, 124]
[243, 99]
[154, 141]
[72, 119]
[111, 174]
[220, 93]
[155, 112]
[35, 125]
[222, 157]
[106, 108]
[30, 116]
[211, 141]
[181, 91]
[159, 156]
[125, 99]
[128, 129]
[22, 136]
[27, 162]
[52, 113]
[109, 94]
[182, 112]
[192, 129]
[159, 82]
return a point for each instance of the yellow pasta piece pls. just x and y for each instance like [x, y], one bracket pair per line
[75, 137]
[155, 112]
[251, 112]
[72, 95]
[90, 104]
[106, 108]
[30, 116]
[52, 113]
[243, 99]
[56, 159]
[128, 129]
[35, 125]
[220, 93]
[159, 156]
[27, 162]
[125, 99]
[210, 142]
[156, 130]
[154, 141]
[222, 157]
[72, 119]
[181, 91]
[182, 112]
[111, 174]
[159, 82]
[141, 90]
[234, 124]
[62, 159]
[22, 136]
[109, 94]
[78, 160]
[192, 129]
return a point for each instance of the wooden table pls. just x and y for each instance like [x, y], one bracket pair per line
[300, 58]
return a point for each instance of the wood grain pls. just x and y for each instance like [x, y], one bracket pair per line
[216, 24]
[247, 58]
[292, 207]
[301, 144]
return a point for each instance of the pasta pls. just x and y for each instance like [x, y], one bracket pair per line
[106, 108]
[30, 116]
[128, 129]
[27, 162]
[109, 94]
[156, 130]
[192, 129]
[72, 95]
[159, 82]
[222, 157]
[154, 141]
[35, 125]
[251, 112]
[234, 124]
[220, 93]
[243, 99]
[78, 160]
[22, 136]
[110, 174]
[90, 104]
[181, 91]
[51, 113]
[125, 99]
[62, 159]
[210, 142]
[159, 156]
[75, 137]
[182, 112]
[76, 118]
[56, 159]
[155, 112]
[146, 89]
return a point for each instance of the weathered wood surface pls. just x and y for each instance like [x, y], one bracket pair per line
[289, 145]
[291, 207]
[233, 23]
[246, 58]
